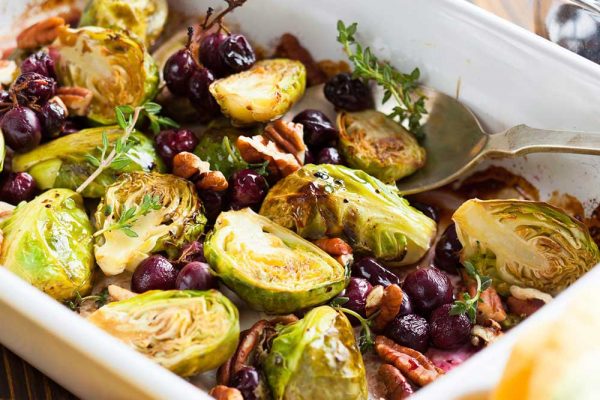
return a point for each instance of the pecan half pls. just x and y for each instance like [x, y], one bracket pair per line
[248, 341]
[289, 47]
[396, 385]
[413, 364]
[485, 335]
[490, 307]
[374, 299]
[77, 99]
[186, 165]
[222, 392]
[258, 148]
[391, 302]
[523, 308]
[288, 136]
[40, 34]
[212, 180]
[334, 246]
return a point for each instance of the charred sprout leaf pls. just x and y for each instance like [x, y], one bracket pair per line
[336, 201]
[142, 19]
[402, 87]
[373, 142]
[270, 267]
[524, 243]
[116, 68]
[468, 305]
[263, 93]
[186, 331]
[48, 243]
[154, 212]
[316, 358]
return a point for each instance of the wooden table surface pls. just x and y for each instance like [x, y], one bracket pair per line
[21, 381]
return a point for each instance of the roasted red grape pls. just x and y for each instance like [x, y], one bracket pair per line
[357, 291]
[195, 276]
[448, 331]
[173, 141]
[21, 129]
[329, 155]
[370, 269]
[154, 273]
[409, 330]
[318, 129]
[53, 117]
[236, 53]
[39, 62]
[178, 70]
[246, 380]
[17, 187]
[348, 93]
[33, 89]
[429, 210]
[247, 188]
[199, 94]
[193, 251]
[428, 288]
[209, 53]
[447, 250]
[213, 203]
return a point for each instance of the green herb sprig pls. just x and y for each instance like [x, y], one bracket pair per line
[402, 87]
[130, 215]
[468, 305]
[365, 338]
[100, 299]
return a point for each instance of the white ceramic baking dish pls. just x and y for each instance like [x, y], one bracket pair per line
[504, 73]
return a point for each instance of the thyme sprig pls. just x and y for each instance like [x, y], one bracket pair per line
[468, 305]
[130, 215]
[365, 338]
[100, 299]
[402, 87]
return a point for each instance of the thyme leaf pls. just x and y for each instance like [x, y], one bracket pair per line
[468, 305]
[131, 214]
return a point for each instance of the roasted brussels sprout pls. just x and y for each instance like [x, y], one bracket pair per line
[186, 331]
[316, 358]
[142, 19]
[116, 68]
[332, 200]
[263, 93]
[62, 163]
[371, 141]
[48, 243]
[271, 267]
[125, 235]
[524, 243]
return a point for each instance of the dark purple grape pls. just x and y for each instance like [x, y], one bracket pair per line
[154, 273]
[428, 288]
[209, 53]
[173, 141]
[21, 128]
[409, 330]
[247, 188]
[39, 62]
[371, 270]
[32, 88]
[70, 127]
[53, 116]
[246, 380]
[178, 70]
[17, 187]
[448, 331]
[430, 211]
[447, 250]
[195, 276]
[309, 158]
[348, 93]
[199, 94]
[213, 203]
[5, 102]
[318, 129]
[193, 251]
[406, 307]
[236, 53]
[357, 291]
[329, 155]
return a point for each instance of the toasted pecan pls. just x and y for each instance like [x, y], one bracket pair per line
[76, 99]
[40, 34]
[222, 392]
[186, 165]
[212, 180]
[389, 307]
[334, 246]
[396, 385]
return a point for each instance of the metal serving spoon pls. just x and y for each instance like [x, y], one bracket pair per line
[456, 142]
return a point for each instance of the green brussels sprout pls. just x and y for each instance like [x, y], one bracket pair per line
[316, 358]
[141, 19]
[371, 141]
[270, 267]
[143, 213]
[336, 201]
[63, 162]
[48, 243]
[524, 243]
[186, 331]
[263, 93]
[116, 68]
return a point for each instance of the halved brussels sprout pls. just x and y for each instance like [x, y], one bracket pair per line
[142, 19]
[316, 358]
[177, 219]
[263, 93]
[333, 200]
[116, 68]
[62, 163]
[524, 243]
[186, 331]
[371, 141]
[48, 243]
[271, 267]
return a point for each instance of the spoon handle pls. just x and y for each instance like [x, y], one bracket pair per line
[523, 139]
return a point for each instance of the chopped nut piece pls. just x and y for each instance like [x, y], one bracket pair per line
[213, 180]
[486, 334]
[332, 68]
[490, 307]
[283, 319]
[290, 47]
[258, 148]
[396, 385]
[413, 364]
[8, 72]
[391, 302]
[523, 308]
[77, 99]
[529, 294]
[248, 341]
[374, 299]
[40, 34]
[334, 246]
[221, 392]
[186, 165]
[117, 293]
[288, 136]
[345, 259]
